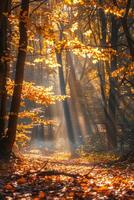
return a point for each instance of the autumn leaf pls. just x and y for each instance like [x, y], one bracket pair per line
[42, 195]
[21, 181]
[8, 186]
[102, 189]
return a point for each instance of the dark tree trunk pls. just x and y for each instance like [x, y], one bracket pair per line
[65, 103]
[125, 26]
[112, 103]
[48, 114]
[2, 9]
[75, 106]
[101, 71]
[4, 56]
[80, 100]
[16, 99]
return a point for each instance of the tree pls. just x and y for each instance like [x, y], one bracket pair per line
[65, 103]
[112, 102]
[4, 61]
[8, 141]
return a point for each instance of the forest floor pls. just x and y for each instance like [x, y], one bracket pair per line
[58, 177]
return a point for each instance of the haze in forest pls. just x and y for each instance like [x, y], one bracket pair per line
[66, 75]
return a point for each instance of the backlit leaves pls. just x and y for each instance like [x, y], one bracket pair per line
[37, 94]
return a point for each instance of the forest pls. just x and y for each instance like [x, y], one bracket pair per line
[66, 99]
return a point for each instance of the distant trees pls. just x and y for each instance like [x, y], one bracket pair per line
[106, 69]
[111, 34]
[92, 40]
[111, 37]
[67, 114]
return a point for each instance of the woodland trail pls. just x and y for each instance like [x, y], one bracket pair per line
[56, 177]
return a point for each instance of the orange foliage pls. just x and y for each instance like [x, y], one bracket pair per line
[37, 94]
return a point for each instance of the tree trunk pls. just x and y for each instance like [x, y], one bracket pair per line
[65, 103]
[4, 8]
[75, 107]
[48, 115]
[101, 71]
[128, 35]
[76, 88]
[16, 99]
[112, 102]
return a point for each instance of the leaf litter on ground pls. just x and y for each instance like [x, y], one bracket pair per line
[57, 177]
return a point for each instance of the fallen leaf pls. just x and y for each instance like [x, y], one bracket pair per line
[21, 181]
[8, 187]
[42, 194]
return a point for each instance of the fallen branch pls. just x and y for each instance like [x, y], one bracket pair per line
[55, 173]
[14, 177]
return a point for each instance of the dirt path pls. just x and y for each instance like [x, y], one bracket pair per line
[59, 178]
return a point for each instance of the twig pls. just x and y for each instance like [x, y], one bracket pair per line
[14, 177]
[44, 165]
[86, 175]
[55, 173]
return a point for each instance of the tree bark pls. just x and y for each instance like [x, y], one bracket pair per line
[4, 56]
[124, 21]
[65, 103]
[16, 99]
[112, 102]
[130, 41]
[109, 103]
[74, 103]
